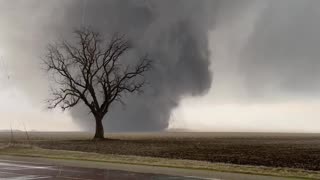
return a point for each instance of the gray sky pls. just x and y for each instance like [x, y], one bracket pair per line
[263, 55]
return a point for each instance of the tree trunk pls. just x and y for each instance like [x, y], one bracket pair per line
[99, 130]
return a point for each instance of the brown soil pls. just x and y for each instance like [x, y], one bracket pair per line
[274, 151]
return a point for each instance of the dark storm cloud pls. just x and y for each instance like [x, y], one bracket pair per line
[269, 50]
[173, 33]
[282, 54]
[26, 28]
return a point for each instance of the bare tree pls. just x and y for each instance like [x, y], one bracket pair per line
[92, 71]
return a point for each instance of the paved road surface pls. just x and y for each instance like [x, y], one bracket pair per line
[18, 170]
[31, 168]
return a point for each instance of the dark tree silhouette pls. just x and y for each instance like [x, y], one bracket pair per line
[92, 71]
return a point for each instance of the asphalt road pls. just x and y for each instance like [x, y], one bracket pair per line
[31, 168]
[16, 170]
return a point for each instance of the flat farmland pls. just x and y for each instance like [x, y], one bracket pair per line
[262, 149]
